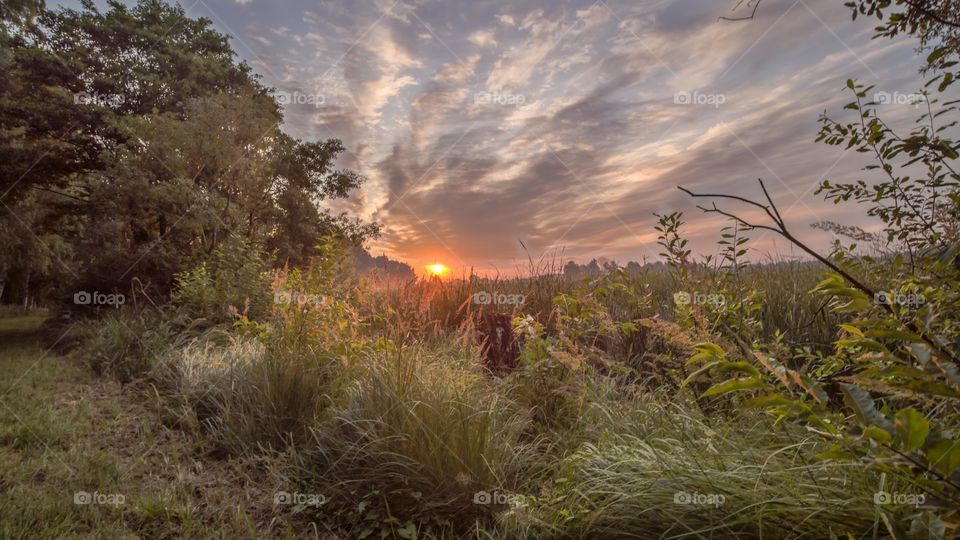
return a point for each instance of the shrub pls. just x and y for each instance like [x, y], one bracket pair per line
[232, 283]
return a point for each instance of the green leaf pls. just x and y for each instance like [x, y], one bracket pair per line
[852, 330]
[862, 404]
[409, 531]
[769, 400]
[733, 385]
[927, 526]
[894, 335]
[912, 428]
[696, 374]
[876, 433]
[937, 54]
[710, 348]
[742, 367]
[944, 456]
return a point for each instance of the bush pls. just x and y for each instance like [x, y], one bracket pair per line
[232, 283]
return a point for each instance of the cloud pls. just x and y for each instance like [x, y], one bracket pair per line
[483, 38]
[577, 139]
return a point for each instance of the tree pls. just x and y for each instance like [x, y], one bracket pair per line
[156, 144]
[935, 23]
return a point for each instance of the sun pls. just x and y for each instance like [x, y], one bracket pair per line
[437, 269]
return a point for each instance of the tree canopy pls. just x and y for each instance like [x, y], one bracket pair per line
[134, 142]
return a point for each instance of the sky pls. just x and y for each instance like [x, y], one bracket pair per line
[493, 131]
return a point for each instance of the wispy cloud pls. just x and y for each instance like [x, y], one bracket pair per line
[566, 123]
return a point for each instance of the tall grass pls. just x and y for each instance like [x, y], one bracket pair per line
[127, 346]
[379, 399]
[664, 471]
[416, 310]
[420, 434]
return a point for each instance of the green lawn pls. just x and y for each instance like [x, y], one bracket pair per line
[65, 432]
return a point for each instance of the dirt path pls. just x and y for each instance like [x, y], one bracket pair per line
[82, 456]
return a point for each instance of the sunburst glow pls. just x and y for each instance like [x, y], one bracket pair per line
[437, 269]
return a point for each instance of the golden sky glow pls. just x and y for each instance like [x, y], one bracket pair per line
[437, 269]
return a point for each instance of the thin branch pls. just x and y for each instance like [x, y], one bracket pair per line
[766, 194]
[750, 17]
[782, 230]
[734, 197]
[930, 14]
[739, 220]
[55, 192]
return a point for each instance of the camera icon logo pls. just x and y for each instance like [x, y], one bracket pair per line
[681, 298]
[882, 497]
[482, 497]
[482, 297]
[82, 497]
[682, 98]
[282, 497]
[883, 98]
[82, 298]
[282, 297]
[882, 298]
[682, 497]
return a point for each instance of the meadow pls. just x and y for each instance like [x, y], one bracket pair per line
[427, 410]
[194, 345]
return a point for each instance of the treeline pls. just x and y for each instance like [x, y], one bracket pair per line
[602, 266]
[134, 143]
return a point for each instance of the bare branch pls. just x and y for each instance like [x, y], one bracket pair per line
[732, 197]
[747, 18]
[766, 194]
[781, 229]
[738, 219]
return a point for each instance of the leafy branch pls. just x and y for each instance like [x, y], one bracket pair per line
[780, 228]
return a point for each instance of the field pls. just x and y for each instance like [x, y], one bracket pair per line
[349, 269]
[367, 409]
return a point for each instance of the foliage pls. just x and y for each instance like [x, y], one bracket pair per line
[127, 347]
[233, 283]
[895, 363]
[933, 22]
[419, 437]
[661, 471]
[152, 145]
